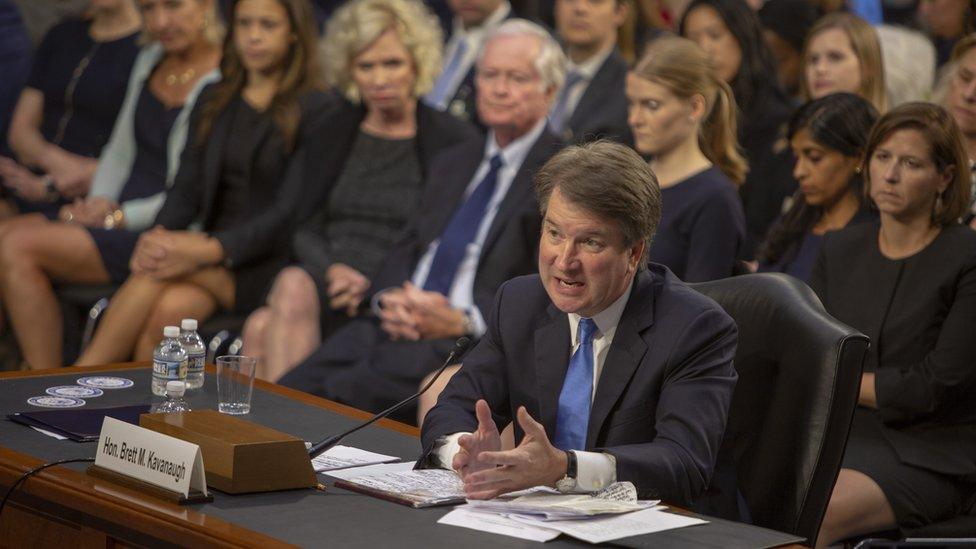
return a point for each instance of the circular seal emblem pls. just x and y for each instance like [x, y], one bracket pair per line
[78, 391]
[49, 401]
[105, 382]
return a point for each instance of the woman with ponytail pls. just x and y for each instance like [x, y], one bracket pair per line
[684, 120]
[828, 137]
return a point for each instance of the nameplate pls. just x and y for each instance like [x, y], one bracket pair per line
[151, 457]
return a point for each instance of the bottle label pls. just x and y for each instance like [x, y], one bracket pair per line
[170, 370]
[195, 363]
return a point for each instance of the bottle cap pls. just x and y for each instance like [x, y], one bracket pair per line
[175, 388]
[189, 324]
[171, 331]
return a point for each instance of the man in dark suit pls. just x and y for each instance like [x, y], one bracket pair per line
[610, 371]
[592, 104]
[477, 227]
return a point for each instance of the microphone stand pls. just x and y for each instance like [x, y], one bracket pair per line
[323, 445]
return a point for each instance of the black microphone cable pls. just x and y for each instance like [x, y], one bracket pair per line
[23, 478]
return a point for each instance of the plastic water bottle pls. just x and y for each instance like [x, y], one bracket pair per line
[169, 361]
[174, 399]
[196, 353]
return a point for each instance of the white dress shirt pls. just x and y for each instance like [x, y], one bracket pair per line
[594, 470]
[474, 39]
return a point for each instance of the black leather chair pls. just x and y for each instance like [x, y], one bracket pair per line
[799, 372]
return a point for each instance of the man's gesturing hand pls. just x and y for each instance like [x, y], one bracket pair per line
[485, 439]
[534, 462]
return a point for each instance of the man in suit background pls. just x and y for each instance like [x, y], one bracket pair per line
[477, 227]
[474, 20]
[591, 104]
[609, 369]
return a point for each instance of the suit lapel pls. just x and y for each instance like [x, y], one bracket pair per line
[214, 161]
[592, 98]
[625, 355]
[521, 186]
[551, 362]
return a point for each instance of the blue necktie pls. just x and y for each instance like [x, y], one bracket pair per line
[574, 400]
[440, 94]
[558, 117]
[461, 231]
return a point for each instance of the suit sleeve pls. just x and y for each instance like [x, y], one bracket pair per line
[482, 375]
[946, 372]
[691, 413]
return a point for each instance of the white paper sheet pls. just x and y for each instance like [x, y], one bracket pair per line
[49, 433]
[354, 472]
[600, 530]
[342, 457]
[497, 524]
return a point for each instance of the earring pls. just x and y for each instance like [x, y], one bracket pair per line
[937, 209]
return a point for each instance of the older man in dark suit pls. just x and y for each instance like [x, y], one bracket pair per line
[610, 370]
[591, 105]
[478, 226]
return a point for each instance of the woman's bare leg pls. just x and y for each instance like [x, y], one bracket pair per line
[123, 321]
[291, 332]
[197, 296]
[857, 506]
[32, 255]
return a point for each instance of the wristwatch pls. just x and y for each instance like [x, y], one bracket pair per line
[467, 323]
[113, 219]
[568, 482]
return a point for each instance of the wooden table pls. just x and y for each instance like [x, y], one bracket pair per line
[61, 506]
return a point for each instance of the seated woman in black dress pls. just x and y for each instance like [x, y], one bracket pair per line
[383, 55]
[730, 33]
[828, 137]
[683, 117]
[66, 111]
[224, 230]
[94, 238]
[909, 283]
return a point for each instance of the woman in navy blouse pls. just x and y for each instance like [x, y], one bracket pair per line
[66, 111]
[828, 137]
[683, 118]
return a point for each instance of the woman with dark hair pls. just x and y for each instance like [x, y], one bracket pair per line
[909, 283]
[224, 229]
[827, 136]
[730, 32]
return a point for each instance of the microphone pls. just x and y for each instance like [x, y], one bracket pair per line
[460, 346]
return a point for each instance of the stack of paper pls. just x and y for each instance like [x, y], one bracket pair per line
[342, 457]
[542, 515]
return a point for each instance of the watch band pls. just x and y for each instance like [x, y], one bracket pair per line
[571, 464]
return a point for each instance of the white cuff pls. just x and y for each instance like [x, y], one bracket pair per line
[478, 321]
[445, 448]
[594, 471]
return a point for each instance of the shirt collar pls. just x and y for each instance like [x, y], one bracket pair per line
[587, 69]
[478, 33]
[606, 320]
[516, 151]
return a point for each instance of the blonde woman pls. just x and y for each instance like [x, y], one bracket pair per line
[382, 56]
[843, 54]
[683, 117]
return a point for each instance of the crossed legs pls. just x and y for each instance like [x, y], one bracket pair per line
[33, 254]
[134, 321]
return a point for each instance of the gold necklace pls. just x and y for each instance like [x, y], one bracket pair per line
[175, 78]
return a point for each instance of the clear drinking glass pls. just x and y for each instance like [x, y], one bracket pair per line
[235, 383]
